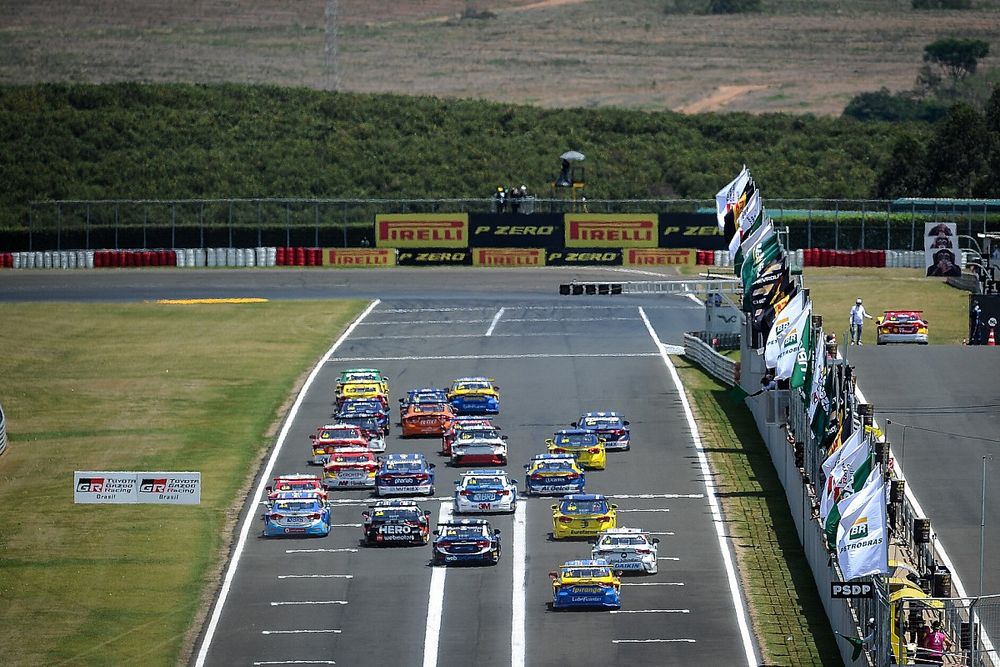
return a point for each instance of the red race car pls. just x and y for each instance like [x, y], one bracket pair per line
[328, 439]
[350, 468]
[901, 326]
[296, 483]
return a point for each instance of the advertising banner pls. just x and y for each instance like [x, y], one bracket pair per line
[657, 257]
[690, 230]
[359, 257]
[943, 259]
[496, 230]
[589, 257]
[169, 488]
[111, 488]
[513, 257]
[599, 230]
[118, 487]
[984, 318]
[422, 230]
[434, 257]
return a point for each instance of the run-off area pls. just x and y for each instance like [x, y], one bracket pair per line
[333, 601]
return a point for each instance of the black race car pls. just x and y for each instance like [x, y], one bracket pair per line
[395, 522]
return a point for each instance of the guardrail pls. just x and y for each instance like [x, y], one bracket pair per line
[727, 286]
[3, 432]
[717, 365]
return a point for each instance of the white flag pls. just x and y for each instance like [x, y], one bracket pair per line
[819, 363]
[743, 224]
[849, 455]
[862, 535]
[729, 195]
[781, 326]
[791, 344]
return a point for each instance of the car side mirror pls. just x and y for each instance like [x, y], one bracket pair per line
[626, 423]
[656, 540]
[614, 507]
[618, 573]
[555, 507]
[553, 575]
[312, 436]
[573, 424]
[430, 465]
[526, 466]
[503, 437]
[549, 441]
[428, 513]
[436, 532]
[457, 481]
[365, 515]
[496, 531]
[269, 489]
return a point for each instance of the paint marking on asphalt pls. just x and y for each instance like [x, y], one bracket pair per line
[301, 632]
[459, 357]
[720, 528]
[315, 576]
[667, 558]
[435, 603]
[411, 322]
[475, 335]
[297, 602]
[652, 641]
[669, 532]
[650, 496]
[319, 551]
[658, 509]
[517, 319]
[493, 324]
[477, 308]
[518, 642]
[251, 517]
[294, 662]
[653, 583]
[695, 299]
[650, 611]
[345, 525]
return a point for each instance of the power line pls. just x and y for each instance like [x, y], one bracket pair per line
[953, 435]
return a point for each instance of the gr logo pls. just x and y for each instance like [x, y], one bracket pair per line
[90, 485]
[843, 589]
[153, 485]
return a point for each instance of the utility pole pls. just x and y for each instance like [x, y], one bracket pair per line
[330, 46]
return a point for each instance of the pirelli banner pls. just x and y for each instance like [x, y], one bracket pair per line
[599, 230]
[422, 230]
[359, 258]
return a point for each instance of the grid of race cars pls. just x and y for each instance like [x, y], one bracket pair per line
[351, 450]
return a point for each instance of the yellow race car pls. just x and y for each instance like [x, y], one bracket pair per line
[365, 389]
[363, 375]
[474, 396]
[583, 515]
[585, 445]
[586, 583]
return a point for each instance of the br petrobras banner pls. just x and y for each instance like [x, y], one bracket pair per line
[359, 257]
[690, 230]
[117, 487]
[509, 257]
[434, 257]
[498, 230]
[600, 230]
[422, 230]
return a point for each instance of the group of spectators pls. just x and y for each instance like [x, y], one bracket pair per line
[513, 198]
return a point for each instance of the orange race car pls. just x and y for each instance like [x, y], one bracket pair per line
[426, 419]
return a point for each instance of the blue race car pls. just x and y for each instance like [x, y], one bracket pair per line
[466, 541]
[424, 395]
[296, 513]
[586, 584]
[475, 396]
[557, 474]
[357, 407]
[403, 475]
[609, 426]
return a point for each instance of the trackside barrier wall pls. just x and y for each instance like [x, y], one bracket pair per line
[717, 365]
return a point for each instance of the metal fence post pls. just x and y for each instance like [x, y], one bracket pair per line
[86, 229]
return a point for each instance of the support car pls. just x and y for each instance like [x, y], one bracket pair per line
[350, 468]
[627, 549]
[297, 513]
[611, 427]
[556, 474]
[466, 541]
[485, 491]
[586, 584]
[404, 474]
[391, 522]
[585, 445]
[583, 515]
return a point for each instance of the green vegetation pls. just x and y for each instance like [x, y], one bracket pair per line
[785, 608]
[133, 387]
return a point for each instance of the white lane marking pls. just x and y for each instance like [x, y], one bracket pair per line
[651, 641]
[345, 525]
[650, 611]
[295, 602]
[411, 322]
[251, 517]
[294, 662]
[517, 319]
[695, 299]
[435, 602]
[477, 308]
[659, 509]
[315, 576]
[650, 496]
[319, 551]
[457, 357]
[474, 335]
[493, 324]
[300, 632]
[727, 558]
[667, 558]
[518, 643]
[653, 583]
[665, 533]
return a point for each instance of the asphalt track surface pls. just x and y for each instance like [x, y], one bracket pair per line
[949, 399]
[332, 601]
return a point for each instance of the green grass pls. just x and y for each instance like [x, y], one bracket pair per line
[788, 618]
[133, 387]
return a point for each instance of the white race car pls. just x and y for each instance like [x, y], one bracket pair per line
[485, 491]
[627, 549]
[479, 445]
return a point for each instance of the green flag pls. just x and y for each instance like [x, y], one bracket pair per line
[758, 257]
[800, 374]
[857, 482]
[857, 642]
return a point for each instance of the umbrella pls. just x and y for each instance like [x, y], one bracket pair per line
[572, 155]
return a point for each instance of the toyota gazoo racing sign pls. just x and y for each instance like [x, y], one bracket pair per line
[598, 230]
[116, 487]
[359, 257]
[508, 257]
[422, 230]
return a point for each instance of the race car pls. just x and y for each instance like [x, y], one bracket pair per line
[466, 541]
[395, 522]
[901, 326]
[369, 423]
[479, 445]
[296, 513]
[484, 491]
[364, 389]
[610, 427]
[583, 515]
[553, 474]
[404, 474]
[586, 584]
[366, 406]
[350, 468]
[627, 549]
[424, 395]
[328, 439]
[475, 396]
[459, 423]
[296, 482]
[585, 445]
[426, 419]
[362, 375]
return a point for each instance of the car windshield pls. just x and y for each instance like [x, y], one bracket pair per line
[338, 434]
[623, 540]
[297, 506]
[362, 406]
[428, 407]
[400, 514]
[554, 466]
[583, 506]
[483, 481]
[586, 572]
[354, 377]
[403, 466]
[472, 386]
[478, 434]
[601, 422]
[366, 423]
[462, 532]
[303, 485]
[356, 458]
[576, 440]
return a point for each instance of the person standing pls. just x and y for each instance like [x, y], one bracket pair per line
[935, 644]
[501, 199]
[858, 315]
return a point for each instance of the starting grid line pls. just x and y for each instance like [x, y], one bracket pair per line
[459, 357]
